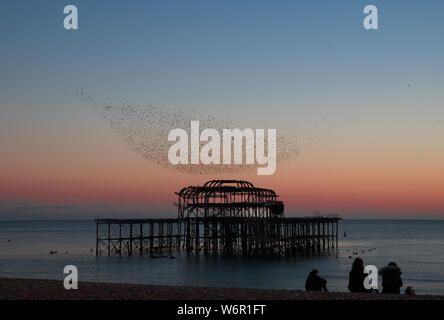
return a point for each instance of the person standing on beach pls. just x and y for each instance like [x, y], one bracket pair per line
[356, 277]
[315, 282]
[391, 278]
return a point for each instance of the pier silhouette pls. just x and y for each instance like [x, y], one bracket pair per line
[223, 216]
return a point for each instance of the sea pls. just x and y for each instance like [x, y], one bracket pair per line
[417, 246]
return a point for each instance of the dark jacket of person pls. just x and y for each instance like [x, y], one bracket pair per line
[315, 282]
[356, 277]
[391, 278]
[356, 280]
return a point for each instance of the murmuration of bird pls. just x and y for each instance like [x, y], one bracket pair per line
[145, 130]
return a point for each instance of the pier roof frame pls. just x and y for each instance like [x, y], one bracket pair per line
[226, 195]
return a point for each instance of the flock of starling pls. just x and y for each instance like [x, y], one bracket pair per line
[145, 130]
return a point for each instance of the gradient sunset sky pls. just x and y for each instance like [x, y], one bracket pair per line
[366, 106]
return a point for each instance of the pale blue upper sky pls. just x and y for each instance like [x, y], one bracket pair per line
[292, 62]
[208, 54]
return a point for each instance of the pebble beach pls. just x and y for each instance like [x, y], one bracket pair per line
[39, 289]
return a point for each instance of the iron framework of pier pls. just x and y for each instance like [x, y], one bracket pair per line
[222, 216]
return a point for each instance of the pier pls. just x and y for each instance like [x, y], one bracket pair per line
[222, 216]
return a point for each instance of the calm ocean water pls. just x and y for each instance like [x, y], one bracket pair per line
[417, 246]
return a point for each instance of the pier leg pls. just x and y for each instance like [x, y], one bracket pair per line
[141, 240]
[120, 239]
[97, 238]
[130, 250]
[109, 239]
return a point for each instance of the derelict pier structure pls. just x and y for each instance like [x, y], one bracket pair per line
[222, 216]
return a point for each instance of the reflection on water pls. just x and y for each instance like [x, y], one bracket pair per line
[417, 247]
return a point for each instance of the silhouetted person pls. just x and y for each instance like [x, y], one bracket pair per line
[410, 291]
[391, 278]
[356, 277]
[315, 282]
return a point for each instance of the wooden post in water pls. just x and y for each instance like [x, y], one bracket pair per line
[197, 235]
[141, 239]
[130, 250]
[318, 244]
[323, 235]
[337, 231]
[97, 238]
[109, 238]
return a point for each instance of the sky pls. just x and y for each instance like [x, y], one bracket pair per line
[366, 106]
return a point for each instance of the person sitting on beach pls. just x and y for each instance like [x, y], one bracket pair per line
[391, 278]
[315, 282]
[409, 291]
[356, 277]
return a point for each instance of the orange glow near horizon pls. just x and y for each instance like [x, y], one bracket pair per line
[305, 184]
